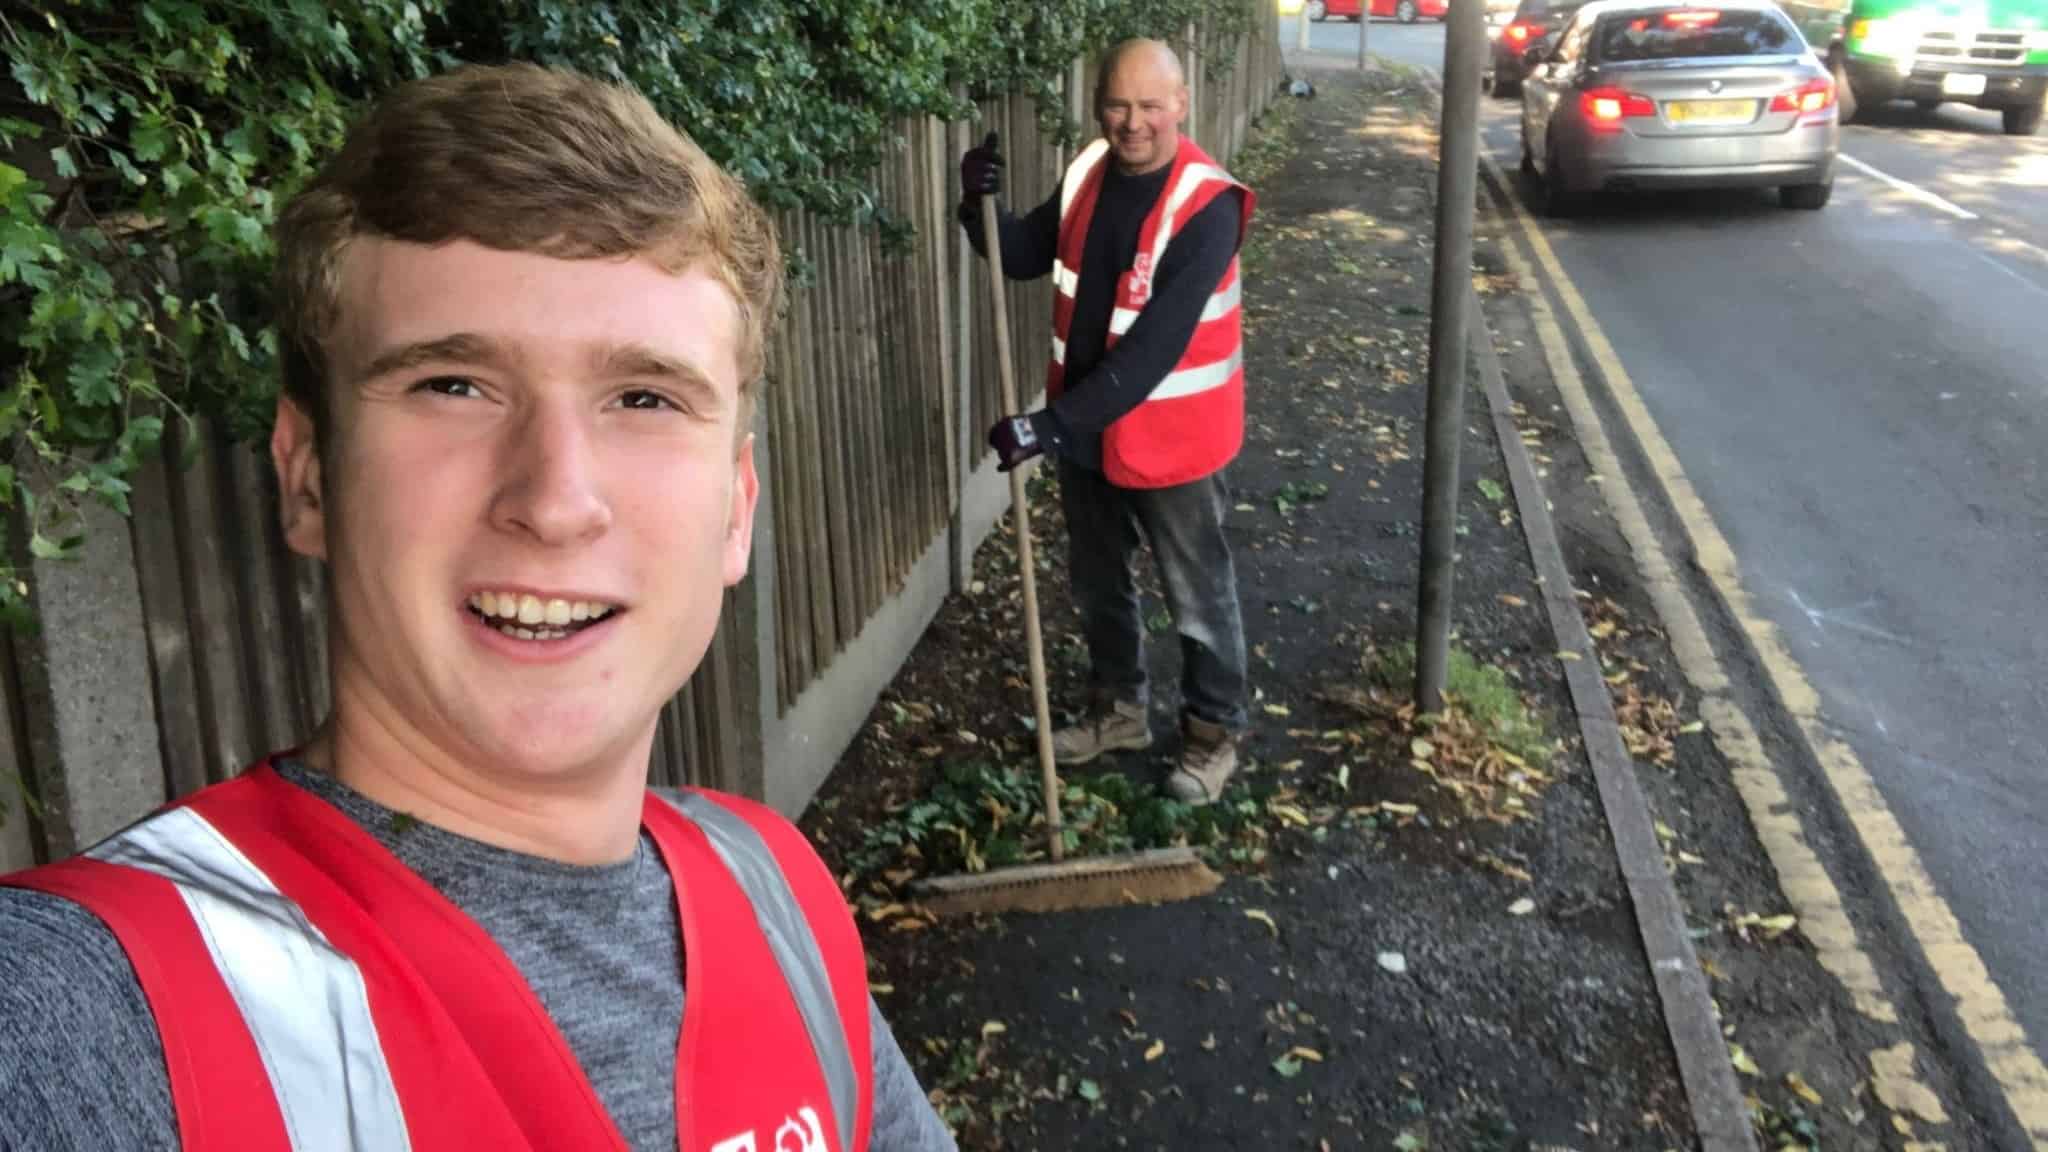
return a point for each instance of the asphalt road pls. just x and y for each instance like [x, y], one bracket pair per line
[1419, 45]
[1859, 395]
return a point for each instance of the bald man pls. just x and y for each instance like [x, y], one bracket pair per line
[1145, 403]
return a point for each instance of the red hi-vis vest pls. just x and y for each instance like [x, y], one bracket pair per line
[1192, 422]
[314, 993]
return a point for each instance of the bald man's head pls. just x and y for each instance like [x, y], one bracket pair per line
[1141, 98]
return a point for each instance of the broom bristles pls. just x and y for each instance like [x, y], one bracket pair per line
[1156, 877]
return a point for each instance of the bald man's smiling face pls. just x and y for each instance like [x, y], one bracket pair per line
[1142, 104]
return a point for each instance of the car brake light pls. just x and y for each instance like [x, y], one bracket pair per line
[1517, 32]
[1692, 19]
[1610, 106]
[1814, 96]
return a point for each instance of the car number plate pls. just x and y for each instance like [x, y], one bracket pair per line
[1962, 84]
[1710, 111]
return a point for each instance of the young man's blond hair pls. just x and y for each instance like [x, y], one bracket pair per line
[526, 159]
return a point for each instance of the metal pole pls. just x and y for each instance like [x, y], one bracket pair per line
[1301, 27]
[1365, 26]
[1457, 186]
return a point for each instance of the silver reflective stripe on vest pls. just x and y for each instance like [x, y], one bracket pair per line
[1065, 280]
[796, 951]
[1189, 381]
[1223, 302]
[1077, 173]
[1191, 177]
[1059, 351]
[304, 1002]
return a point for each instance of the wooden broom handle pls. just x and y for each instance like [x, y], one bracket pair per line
[1041, 705]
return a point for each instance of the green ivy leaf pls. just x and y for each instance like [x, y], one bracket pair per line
[149, 139]
[93, 375]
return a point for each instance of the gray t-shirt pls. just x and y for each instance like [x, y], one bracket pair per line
[81, 1066]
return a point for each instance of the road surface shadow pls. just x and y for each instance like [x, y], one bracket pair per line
[1960, 119]
[1637, 209]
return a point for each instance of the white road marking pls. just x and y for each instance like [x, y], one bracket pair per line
[1912, 190]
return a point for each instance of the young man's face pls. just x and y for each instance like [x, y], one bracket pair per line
[535, 496]
[1143, 104]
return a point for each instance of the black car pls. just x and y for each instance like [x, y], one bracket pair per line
[1531, 22]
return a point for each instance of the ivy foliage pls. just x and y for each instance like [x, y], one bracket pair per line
[146, 146]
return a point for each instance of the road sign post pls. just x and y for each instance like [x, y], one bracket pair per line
[1457, 188]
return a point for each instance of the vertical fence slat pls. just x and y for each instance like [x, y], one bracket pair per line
[204, 506]
[271, 692]
[938, 233]
[174, 671]
[776, 455]
[21, 842]
[928, 340]
[855, 540]
[876, 471]
[813, 415]
[834, 435]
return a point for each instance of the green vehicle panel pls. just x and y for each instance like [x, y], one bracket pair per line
[1988, 53]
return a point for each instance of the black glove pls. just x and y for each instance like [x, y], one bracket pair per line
[981, 170]
[1017, 439]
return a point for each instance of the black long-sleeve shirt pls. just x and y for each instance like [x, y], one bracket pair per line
[1104, 383]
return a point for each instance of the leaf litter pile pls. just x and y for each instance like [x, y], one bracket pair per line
[1486, 750]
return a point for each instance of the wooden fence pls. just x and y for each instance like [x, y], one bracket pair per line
[189, 641]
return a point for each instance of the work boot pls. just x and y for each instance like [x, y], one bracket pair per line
[1109, 726]
[1208, 759]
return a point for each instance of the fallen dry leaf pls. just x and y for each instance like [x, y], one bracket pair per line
[1514, 601]
[1522, 907]
[1742, 1062]
[1157, 1050]
[1263, 917]
[1802, 1089]
[1506, 869]
[1288, 813]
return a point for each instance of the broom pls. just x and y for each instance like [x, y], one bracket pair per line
[1151, 877]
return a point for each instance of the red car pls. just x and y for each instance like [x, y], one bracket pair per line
[1406, 11]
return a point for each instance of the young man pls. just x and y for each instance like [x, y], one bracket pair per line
[1146, 391]
[523, 322]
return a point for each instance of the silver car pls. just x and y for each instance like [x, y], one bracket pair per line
[1667, 95]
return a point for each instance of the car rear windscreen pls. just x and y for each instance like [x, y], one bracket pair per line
[1694, 33]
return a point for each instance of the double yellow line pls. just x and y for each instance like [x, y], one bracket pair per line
[1979, 1004]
